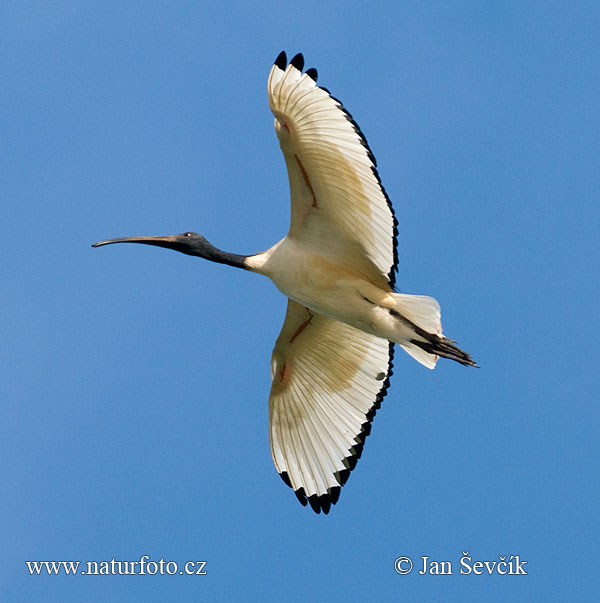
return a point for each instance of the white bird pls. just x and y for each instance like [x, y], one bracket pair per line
[333, 358]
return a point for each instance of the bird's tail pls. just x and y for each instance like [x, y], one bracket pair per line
[421, 316]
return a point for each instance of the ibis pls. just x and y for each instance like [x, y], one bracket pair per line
[332, 361]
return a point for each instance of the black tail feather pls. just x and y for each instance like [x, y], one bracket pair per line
[444, 347]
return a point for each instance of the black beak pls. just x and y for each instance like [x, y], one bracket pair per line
[169, 242]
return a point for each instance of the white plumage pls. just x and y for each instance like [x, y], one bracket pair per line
[333, 358]
[332, 361]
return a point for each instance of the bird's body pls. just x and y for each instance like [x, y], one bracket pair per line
[333, 358]
[321, 284]
[337, 290]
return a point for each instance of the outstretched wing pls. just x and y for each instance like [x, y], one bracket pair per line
[328, 382]
[338, 202]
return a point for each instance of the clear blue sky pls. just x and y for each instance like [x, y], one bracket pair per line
[135, 381]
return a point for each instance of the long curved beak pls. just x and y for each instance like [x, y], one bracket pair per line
[168, 242]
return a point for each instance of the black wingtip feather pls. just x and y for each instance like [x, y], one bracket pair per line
[301, 496]
[298, 61]
[286, 478]
[365, 430]
[312, 73]
[281, 60]
[325, 502]
[342, 477]
[314, 503]
[352, 460]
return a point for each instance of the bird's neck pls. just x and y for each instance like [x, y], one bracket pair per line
[214, 254]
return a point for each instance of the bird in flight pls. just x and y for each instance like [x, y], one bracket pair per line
[332, 361]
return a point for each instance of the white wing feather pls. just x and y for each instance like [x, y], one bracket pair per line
[338, 202]
[328, 380]
[328, 377]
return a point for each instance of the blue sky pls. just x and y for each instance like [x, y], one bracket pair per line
[135, 383]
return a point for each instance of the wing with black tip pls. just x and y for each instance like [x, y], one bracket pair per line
[339, 205]
[328, 381]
